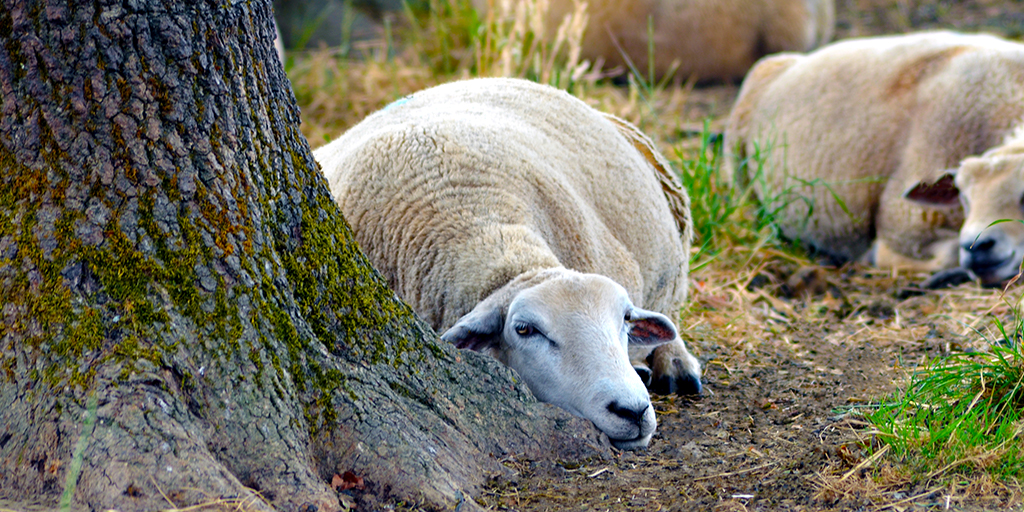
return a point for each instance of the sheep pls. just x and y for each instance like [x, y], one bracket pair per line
[837, 142]
[991, 189]
[706, 39]
[524, 224]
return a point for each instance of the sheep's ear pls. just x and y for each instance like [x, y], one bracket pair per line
[478, 330]
[649, 328]
[941, 192]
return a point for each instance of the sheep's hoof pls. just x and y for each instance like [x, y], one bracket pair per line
[682, 383]
[948, 278]
[645, 374]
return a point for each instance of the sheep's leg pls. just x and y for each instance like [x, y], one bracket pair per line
[912, 234]
[944, 255]
[674, 370]
[643, 371]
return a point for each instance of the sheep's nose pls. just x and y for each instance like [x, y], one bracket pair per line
[633, 414]
[979, 246]
[982, 255]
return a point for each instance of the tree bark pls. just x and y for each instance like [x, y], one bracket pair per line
[185, 315]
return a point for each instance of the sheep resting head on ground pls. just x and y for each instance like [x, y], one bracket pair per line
[558, 325]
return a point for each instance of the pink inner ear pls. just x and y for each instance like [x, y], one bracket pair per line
[477, 331]
[941, 193]
[651, 331]
[462, 337]
[474, 343]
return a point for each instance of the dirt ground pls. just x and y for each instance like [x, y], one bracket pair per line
[779, 427]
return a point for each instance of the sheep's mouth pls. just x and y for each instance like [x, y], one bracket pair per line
[631, 444]
[996, 272]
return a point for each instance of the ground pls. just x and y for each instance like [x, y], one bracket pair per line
[788, 374]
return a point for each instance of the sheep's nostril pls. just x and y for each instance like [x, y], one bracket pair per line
[985, 256]
[980, 245]
[634, 415]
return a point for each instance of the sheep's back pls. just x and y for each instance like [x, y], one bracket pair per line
[455, 190]
[709, 39]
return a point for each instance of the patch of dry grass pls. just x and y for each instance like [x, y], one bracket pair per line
[888, 487]
[335, 92]
[336, 89]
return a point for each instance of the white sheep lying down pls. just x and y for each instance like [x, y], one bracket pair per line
[528, 225]
[855, 138]
[709, 39]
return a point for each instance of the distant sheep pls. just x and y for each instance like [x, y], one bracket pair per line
[708, 39]
[846, 143]
[531, 227]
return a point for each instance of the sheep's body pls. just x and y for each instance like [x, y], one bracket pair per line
[709, 39]
[470, 194]
[845, 131]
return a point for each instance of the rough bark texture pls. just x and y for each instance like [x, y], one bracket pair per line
[170, 254]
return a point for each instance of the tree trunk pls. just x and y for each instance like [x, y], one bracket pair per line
[185, 316]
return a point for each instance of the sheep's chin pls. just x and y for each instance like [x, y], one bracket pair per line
[1004, 272]
[631, 444]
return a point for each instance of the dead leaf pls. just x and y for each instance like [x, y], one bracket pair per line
[347, 481]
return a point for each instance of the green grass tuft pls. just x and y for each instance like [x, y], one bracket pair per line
[725, 215]
[962, 414]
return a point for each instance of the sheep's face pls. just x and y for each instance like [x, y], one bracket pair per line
[568, 338]
[992, 189]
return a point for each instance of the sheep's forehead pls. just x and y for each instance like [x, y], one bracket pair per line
[573, 298]
[995, 174]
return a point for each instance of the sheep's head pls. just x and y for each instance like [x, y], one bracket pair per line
[567, 334]
[991, 189]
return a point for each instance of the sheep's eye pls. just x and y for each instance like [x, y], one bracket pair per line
[525, 330]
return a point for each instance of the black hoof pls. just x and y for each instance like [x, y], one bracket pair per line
[683, 385]
[948, 278]
[645, 374]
